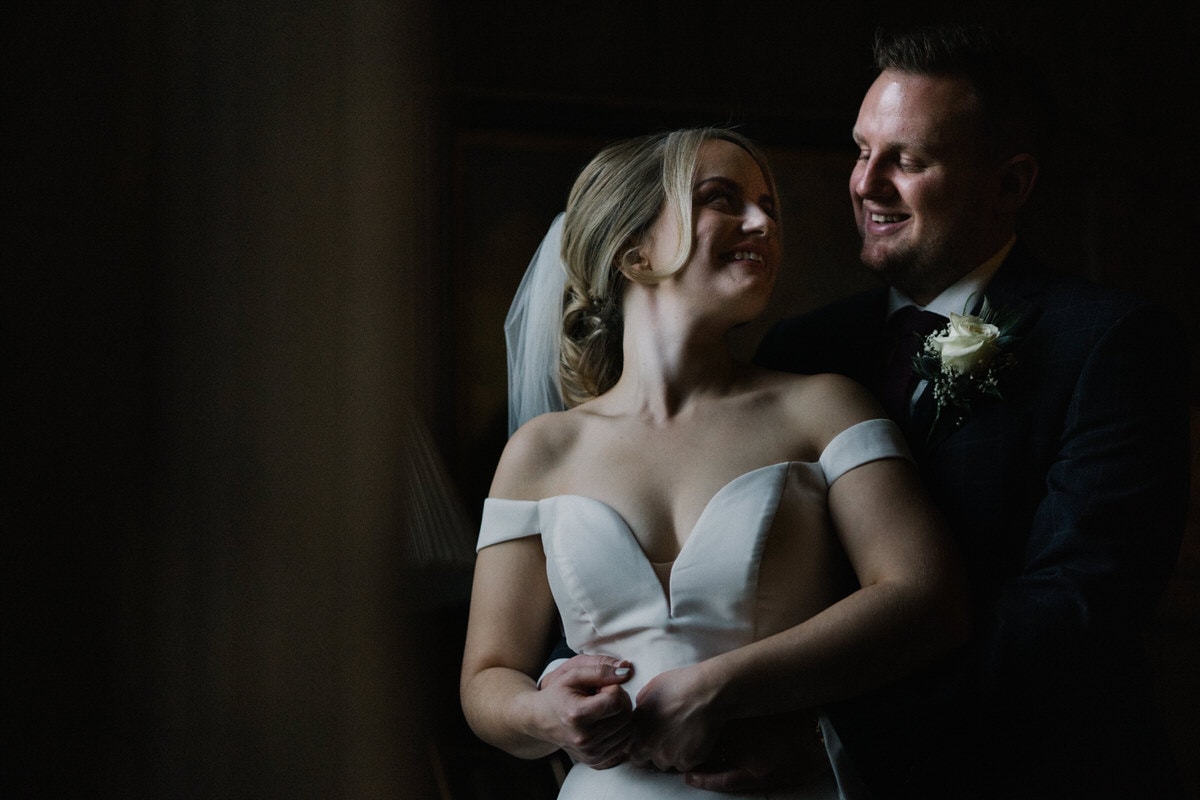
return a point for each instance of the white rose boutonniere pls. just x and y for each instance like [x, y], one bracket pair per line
[963, 362]
[967, 345]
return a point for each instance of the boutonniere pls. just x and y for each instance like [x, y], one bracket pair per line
[963, 362]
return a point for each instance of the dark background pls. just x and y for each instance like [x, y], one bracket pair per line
[257, 255]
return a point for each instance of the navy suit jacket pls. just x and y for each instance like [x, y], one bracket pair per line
[1067, 497]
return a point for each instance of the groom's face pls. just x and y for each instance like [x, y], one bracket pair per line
[923, 189]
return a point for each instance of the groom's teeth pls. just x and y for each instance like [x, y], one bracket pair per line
[885, 218]
[746, 256]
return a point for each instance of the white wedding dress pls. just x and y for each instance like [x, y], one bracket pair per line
[761, 558]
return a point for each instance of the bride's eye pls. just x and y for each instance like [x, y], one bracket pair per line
[719, 198]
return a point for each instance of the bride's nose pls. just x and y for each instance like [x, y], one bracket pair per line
[756, 220]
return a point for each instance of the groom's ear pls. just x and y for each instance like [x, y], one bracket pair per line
[1018, 177]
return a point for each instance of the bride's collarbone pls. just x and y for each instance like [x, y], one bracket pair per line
[683, 460]
[715, 452]
[703, 431]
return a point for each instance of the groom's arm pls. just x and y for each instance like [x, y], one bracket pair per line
[1106, 535]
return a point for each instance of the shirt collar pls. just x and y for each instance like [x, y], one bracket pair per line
[964, 296]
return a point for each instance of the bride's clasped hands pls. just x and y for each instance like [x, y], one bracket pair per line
[676, 724]
[673, 726]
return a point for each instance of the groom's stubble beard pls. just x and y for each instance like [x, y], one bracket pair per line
[919, 269]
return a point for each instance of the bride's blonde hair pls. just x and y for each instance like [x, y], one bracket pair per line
[614, 201]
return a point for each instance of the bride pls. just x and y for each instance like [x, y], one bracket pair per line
[746, 542]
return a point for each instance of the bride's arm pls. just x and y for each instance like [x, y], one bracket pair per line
[511, 619]
[911, 607]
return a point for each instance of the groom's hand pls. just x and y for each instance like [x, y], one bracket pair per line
[755, 755]
[592, 711]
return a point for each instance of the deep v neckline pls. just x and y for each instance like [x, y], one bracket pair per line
[733, 482]
[696, 533]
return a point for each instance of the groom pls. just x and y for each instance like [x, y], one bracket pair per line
[1065, 480]
[1066, 486]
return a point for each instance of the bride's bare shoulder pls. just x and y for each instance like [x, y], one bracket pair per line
[821, 386]
[533, 453]
[825, 403]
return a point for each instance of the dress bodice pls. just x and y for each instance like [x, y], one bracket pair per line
[761, 557]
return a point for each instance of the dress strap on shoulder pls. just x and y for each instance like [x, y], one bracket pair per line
[861, 444]
[504, 520]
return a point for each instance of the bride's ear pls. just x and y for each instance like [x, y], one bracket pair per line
[634, 264]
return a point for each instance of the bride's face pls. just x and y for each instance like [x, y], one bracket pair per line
[735, 251]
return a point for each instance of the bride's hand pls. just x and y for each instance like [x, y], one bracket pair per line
[589, 712]
[675, 721]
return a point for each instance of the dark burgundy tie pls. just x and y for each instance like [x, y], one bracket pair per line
[909, 326]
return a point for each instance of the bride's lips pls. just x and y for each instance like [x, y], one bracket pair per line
[752, 252]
